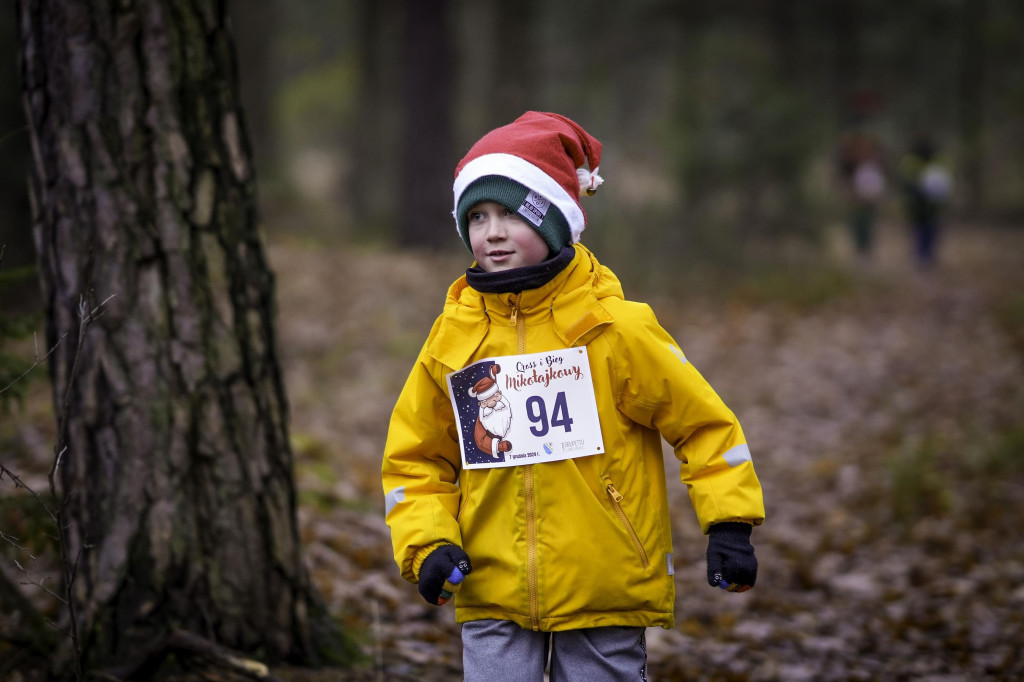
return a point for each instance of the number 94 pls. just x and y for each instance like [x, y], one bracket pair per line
[537, 411]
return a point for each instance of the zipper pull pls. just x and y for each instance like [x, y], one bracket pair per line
[515, 315]
[615, 495]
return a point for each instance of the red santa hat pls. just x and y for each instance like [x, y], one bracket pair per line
[541, 154]
[486, 387]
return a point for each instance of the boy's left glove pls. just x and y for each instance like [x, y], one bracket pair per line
[731, 561]
[442, 573]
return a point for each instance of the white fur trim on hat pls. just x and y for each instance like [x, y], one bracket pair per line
[525, 173]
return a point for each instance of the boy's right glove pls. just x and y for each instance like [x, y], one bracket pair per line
[442, 573]
[731, 561]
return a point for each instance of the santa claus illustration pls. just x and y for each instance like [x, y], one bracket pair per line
[494, 418]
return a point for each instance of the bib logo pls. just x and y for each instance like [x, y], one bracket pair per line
[572, 445]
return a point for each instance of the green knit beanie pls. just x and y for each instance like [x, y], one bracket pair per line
[553, 227]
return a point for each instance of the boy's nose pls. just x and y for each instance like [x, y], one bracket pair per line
[496, 230]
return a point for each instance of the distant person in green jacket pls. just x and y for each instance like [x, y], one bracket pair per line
[927, 186]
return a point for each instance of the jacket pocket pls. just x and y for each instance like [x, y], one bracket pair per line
[616, 499]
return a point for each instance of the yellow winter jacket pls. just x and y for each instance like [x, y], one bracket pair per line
[582, 542]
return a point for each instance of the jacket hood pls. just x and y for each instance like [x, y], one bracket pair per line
[574, 298]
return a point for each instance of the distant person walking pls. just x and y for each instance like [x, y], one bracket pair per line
[862, 173]
[927, 185]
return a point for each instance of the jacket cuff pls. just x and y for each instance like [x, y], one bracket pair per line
[421, 555]
[742, 527]
[738, 524]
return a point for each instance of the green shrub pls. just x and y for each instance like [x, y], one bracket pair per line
[918, 486]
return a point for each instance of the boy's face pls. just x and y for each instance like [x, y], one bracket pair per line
[501, 240]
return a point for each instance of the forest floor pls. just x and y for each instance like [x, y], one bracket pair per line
[884, 406]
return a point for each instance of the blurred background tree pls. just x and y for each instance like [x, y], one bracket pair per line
[15, 234]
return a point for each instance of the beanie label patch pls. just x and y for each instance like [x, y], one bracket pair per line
[534, 208]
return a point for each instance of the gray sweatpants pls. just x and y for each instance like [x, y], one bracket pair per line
[501, 651]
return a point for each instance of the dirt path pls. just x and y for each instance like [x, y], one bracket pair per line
[887, 432]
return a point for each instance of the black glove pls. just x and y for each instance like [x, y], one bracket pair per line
[731, 561]
[442, 573]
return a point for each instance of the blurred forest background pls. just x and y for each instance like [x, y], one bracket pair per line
[884, 403]
[720, 120]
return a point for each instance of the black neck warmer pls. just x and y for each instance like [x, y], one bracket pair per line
[519, 279]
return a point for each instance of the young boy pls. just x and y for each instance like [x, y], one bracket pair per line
[523, 465]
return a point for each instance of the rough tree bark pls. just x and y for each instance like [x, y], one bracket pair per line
[179, 468]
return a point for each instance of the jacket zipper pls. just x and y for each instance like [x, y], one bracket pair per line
[528, 489]
[519, 323]
[531, 546]
[616, 498]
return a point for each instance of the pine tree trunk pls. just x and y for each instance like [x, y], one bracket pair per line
[179, 469]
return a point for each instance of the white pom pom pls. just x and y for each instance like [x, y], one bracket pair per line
[589, 180]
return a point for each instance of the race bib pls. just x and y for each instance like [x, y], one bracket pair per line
[525, 409]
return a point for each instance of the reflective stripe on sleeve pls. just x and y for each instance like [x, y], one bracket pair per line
[392, 498]
[737, 455]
